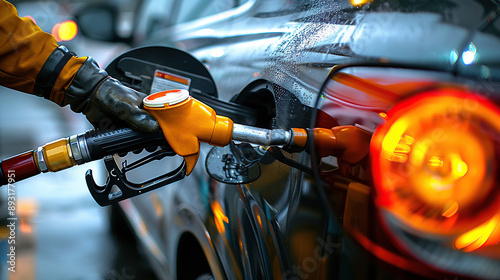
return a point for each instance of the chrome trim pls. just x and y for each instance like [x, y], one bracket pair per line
[75, 150]
[82, 145]
[40, 160]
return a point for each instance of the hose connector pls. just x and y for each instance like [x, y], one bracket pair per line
[54, 156]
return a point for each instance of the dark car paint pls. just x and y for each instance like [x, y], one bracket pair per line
[282, 225]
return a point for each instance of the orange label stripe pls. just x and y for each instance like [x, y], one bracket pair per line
[170, 77]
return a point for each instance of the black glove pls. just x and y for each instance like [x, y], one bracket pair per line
[105, 101]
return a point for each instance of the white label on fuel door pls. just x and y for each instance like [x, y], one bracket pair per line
[167, 81]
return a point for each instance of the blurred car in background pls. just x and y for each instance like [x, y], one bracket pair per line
[51, 17]
[58, 19]
[421, 76]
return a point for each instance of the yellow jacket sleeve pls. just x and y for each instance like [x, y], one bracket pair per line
[24, 48]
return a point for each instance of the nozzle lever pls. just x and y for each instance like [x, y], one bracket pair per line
[117, 177]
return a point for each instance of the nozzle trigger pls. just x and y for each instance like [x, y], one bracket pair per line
[104, 196]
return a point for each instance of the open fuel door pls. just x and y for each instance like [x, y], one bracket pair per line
[154, 69]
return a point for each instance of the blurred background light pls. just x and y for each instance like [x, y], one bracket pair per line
[65, 31]
[453, 56]
[469, 55]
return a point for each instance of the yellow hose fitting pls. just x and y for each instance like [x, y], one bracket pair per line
[57, 155]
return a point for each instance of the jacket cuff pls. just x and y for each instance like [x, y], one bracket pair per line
[83, 87]
[51, 70]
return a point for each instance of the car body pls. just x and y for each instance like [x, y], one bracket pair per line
[310, 64]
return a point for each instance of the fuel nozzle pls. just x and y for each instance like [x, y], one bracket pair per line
[186, 122]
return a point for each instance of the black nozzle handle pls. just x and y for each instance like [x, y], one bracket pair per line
[99, 144]
[78, 149]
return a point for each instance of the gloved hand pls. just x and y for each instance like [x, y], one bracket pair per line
[105, 100]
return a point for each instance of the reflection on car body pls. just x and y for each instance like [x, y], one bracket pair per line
[324, 64]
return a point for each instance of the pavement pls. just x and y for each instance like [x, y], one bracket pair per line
[60, 231]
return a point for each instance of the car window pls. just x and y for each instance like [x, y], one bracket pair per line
[195, 9]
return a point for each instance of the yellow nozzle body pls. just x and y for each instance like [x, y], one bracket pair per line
[187, 123]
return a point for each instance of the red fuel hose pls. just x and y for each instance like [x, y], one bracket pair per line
[17, 168]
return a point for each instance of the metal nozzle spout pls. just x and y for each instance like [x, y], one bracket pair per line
[261, 136]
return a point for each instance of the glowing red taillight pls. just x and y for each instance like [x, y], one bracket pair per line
[434, 167]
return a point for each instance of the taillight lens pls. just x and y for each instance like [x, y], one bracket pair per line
[434, 168]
